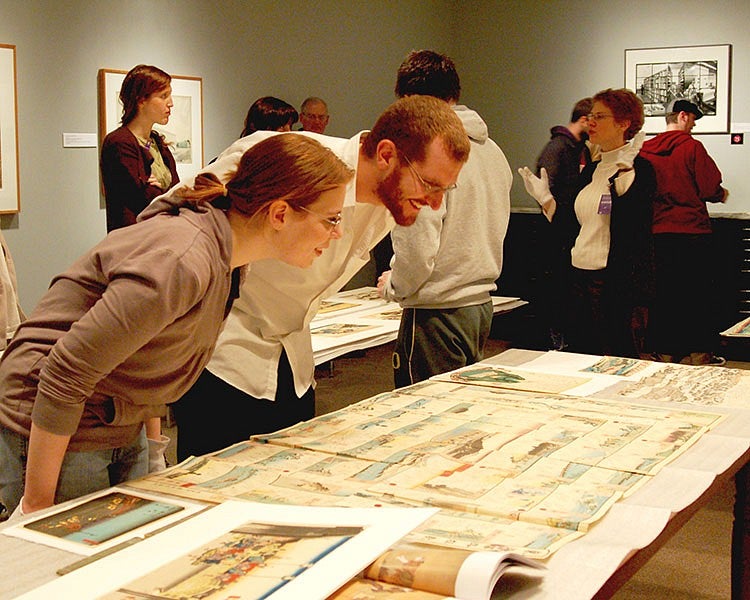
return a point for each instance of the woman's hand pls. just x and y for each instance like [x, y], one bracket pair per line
[538, 188]
[45, 456]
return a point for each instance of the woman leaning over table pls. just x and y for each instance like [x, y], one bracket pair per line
[137, 166]
[612, 255]
[129, 327]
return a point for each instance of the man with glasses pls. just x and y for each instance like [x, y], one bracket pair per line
[260, 377]
[445, 266]
[564, 156]
[314, 115]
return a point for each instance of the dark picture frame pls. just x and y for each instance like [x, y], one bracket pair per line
[701, 74]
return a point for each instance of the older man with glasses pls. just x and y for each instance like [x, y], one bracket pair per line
[314, 115]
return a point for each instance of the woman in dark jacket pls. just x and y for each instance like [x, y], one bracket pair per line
[612, 257]
[136, 163]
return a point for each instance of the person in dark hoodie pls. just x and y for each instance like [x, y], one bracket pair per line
[564, 156]
[680, 325]
[129, 326]
[136, 162]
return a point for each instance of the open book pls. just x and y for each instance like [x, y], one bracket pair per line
[425, 572]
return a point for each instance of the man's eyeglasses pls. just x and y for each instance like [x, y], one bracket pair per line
[334, 221]
[315, 117]
[428, 188]
[598, 116]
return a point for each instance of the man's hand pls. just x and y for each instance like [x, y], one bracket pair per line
[383, 280]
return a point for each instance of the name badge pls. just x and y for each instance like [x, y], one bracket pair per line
[605, 205]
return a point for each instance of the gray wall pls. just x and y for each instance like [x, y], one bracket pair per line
[523, 64]
[345, 52]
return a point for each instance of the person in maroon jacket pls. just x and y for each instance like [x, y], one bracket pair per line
[137, 166]
[680, 327]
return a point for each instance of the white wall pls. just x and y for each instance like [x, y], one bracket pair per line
[523, 64]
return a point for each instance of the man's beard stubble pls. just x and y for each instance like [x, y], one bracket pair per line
[390, 194]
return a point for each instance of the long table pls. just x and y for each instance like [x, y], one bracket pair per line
[594, 566]
[602, 561]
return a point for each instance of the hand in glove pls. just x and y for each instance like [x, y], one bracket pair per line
[156, 448]
[537, 187]
[627, 155]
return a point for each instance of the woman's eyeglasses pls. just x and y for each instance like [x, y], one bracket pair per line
[333, 221]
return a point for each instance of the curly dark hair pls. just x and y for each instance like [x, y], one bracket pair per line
[428, 73]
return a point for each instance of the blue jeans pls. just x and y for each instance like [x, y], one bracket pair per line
[81, 473]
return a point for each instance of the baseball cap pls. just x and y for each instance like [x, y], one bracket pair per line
[680, 105]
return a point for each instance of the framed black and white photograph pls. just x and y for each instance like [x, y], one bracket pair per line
[9, 194]
[183, 132]
[701, 74]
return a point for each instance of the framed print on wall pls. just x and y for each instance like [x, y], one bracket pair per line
[183, 132]
[701, 74]
[9, 181]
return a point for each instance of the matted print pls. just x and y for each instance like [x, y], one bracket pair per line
[9, 180]
[183, 132]
[102, 521]
[701, 74]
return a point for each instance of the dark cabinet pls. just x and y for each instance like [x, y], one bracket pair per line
[526, 274]
[731, 257]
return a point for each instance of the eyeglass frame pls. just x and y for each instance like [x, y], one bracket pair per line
[334, 221]
[598, 116]
[427, 188]
[315, 117]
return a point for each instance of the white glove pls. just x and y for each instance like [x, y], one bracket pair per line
[156, 448]
[537, 187]
[628, 154]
